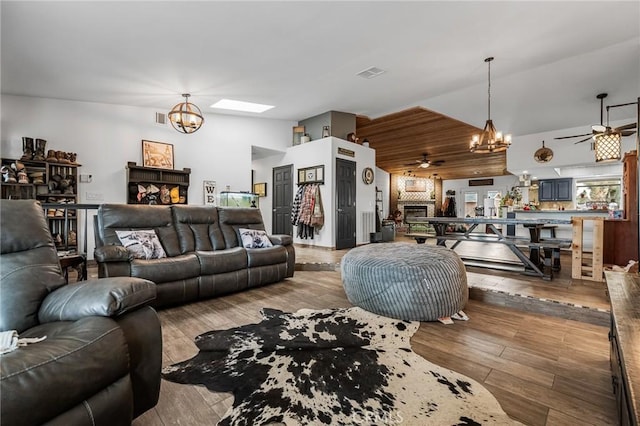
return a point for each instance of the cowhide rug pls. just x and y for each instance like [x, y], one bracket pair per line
[332, 367]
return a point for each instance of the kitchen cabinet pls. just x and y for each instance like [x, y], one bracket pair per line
[555, 190]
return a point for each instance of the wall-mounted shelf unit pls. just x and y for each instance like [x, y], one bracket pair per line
[150, 185]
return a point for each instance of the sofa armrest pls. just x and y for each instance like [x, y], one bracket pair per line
[111, 253]
[281, 239]
[108, 297]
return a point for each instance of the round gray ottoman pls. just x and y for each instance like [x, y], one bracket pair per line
[415, 282]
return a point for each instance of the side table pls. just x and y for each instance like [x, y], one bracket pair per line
[76, 261]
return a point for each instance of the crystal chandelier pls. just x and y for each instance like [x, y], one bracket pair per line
[490, 140]
[186, 117]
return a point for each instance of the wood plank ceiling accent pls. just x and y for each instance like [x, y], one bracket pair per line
[401, 138]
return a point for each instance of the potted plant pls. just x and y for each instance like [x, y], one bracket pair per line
[513, 196]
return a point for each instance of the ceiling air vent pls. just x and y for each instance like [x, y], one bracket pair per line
[161, 118]
[370, 72]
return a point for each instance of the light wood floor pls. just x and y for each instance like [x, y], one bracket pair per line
[562, 288]
[543, 370]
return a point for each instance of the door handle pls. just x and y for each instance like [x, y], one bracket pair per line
[339, 210]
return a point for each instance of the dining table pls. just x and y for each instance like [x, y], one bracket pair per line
[543, 255]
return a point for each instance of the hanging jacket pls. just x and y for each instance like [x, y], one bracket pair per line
[306, 207]
[317, 217]
[295, 207]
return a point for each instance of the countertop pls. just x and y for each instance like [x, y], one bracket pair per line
[624, 293]
[587, 211]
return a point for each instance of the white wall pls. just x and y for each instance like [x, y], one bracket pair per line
[315, 153]
[500, 183]
[106, 137]
[566, 155]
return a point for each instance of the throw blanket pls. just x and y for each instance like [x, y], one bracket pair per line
[330, 367]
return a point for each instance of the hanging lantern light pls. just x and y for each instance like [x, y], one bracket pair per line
[186, 117]
[608, 146]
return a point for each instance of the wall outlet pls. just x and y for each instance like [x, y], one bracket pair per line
[94, 196]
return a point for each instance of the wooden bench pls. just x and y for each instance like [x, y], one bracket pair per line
[550, 248]
[556, 243]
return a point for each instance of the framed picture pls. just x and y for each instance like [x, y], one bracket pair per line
[157, 154]
[313, 174]
[417, 185]
[209, 192]
[260, 189]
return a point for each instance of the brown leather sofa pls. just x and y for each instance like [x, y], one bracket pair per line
[100, 361]
[205, 256]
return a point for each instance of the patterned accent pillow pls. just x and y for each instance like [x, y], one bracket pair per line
[142, 244]
[254, 238]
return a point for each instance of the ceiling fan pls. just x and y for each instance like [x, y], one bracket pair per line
[424, 163]
[598, 129]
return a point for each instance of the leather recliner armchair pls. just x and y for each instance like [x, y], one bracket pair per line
[101, 359]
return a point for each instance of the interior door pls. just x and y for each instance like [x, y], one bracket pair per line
[345, 204]
[282, 199]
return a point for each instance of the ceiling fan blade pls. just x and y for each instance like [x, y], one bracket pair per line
[583, 140]
[437, 163]
[627, 132]
[574, 136]
[627, 126]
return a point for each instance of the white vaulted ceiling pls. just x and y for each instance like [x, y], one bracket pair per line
[552, 58]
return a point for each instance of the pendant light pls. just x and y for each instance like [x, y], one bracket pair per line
[490, 140]
[186, 117]
[607, 146]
